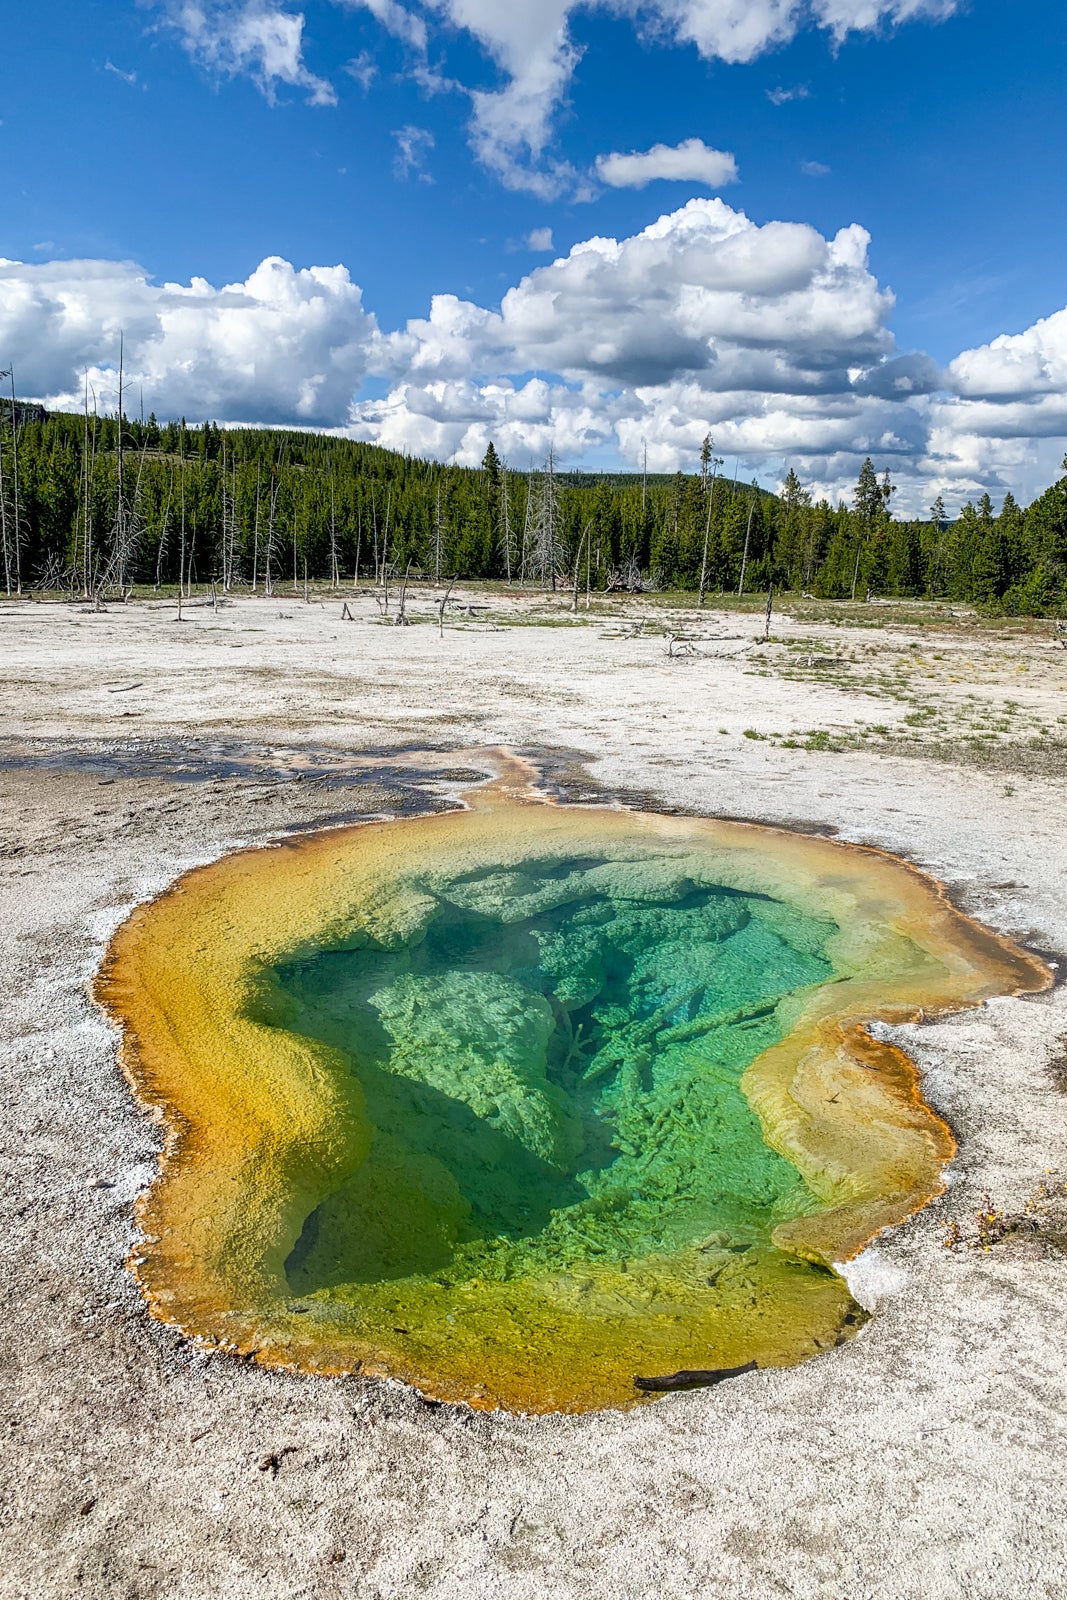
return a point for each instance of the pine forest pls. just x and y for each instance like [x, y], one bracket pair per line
[93, 509]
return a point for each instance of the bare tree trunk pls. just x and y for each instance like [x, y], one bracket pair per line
[578, 564]
[525, 533]
[704, 558]
[181, 551]
[233, 521]
[163, 531]
[134, 525]
[856, 569]
[385, 541]
[90, 484]
[506, 517]
[335, 571]
[441, 604]
[401, 616]
[255, 532]
[225, 520]
[272, 511]
[8, 563]
[120, 531]
[744, 556]
[15, 485]
[546, 525]
[294, 550]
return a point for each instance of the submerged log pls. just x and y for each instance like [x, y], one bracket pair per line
[694, 1378]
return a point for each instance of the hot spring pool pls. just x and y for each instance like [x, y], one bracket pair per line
[519, 1102]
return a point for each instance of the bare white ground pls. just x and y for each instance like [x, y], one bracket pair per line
[923, 1461]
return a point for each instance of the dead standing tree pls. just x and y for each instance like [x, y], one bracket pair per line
[507, 537]
[335, 567]
[87, 487]
[255, 529]
[582, 545]
[544, 525]
[164, 528]
[748, 536]
[439, 527]
[715, 462]
[229, 519]
[271, 547]
[9, 560]
[128, 532]
[11, 525]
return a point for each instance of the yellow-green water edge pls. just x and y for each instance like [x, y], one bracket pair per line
[517, 1102]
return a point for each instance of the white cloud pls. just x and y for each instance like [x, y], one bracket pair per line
[702, 290]
[539, 239]
[395, 18]
[741, 30]
[413, 146]
[282, 346]
[363, 69]
[1004, 417]
[692, 161]
[782, 97]
[773, 338]
[127, 77]
[1016, 367]
[251, 38]
[814, 169]
[529, 43]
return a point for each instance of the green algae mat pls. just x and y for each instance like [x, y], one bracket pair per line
[518, 1103]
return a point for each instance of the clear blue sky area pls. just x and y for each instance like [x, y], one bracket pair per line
[946, 141]
[126, 137]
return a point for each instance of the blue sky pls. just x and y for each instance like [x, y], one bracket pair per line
[450, 148]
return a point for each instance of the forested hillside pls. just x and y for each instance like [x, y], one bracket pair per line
[91, 508]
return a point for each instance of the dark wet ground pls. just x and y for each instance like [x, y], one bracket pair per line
[405, 779]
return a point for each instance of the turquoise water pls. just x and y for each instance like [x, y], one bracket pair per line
[550, 1076]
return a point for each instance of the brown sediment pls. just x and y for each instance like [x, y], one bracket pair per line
[261, 1125]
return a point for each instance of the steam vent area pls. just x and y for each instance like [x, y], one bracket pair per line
[525, 1102]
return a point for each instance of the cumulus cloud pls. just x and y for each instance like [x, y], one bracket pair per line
[691, 161]
[539, 239]
[1016, 367]
[1000, 416]
[772, 337]
[251, 38]
[284, 346]
[702, 290]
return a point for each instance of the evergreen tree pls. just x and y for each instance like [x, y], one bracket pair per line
[868, 503]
